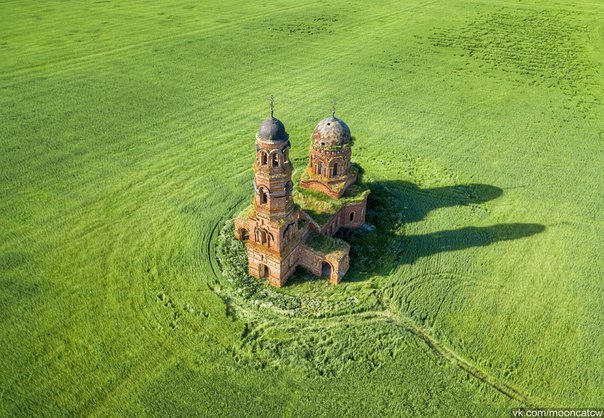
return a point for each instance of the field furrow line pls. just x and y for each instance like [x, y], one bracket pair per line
[459, 361]
[85, 61]
[126, 48]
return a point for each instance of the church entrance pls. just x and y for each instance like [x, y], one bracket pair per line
[263, 270]
[244, 234]
[325, 270]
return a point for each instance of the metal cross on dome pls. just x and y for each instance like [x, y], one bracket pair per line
[333, 109]
[272, 106]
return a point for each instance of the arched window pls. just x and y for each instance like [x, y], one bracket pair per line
[351, 216]
[263, 196]
[275, 160]
[334, 170]
[262, 236]
[264, 158]
[320, 168]
[286, 155]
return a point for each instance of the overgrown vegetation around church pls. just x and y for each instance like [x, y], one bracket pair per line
[375, 249]
[246, 290]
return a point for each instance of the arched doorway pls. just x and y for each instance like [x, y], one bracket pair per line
[263, 270]
[325, 270]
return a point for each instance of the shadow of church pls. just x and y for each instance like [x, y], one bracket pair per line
[393, 204]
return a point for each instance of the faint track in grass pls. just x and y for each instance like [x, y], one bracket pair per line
[125, 48]
[447, 353]
[8, 78]
[458, 360]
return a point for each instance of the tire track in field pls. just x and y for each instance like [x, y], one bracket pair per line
[210, 249]
[297, 68]
[89, 59]
[458, 360]
[447, 353]
[125, 48]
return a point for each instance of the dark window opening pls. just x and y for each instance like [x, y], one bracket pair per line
[334, 171]
[275, 160]
[325, 270]
[351, 216]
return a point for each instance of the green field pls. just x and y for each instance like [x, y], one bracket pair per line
[127, 135]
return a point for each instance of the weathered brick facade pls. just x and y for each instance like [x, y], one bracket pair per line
[329, 169]
[279, 235]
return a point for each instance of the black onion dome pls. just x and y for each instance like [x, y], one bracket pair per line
[331, 132]
[272, 130]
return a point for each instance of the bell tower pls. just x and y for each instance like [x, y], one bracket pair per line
[272, 225]
[273, 172]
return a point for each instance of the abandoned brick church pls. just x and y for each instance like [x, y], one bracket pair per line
[289, 226]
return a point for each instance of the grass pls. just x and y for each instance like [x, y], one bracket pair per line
[322, 207]
[245, 213]
[324, 244]
[127, 135]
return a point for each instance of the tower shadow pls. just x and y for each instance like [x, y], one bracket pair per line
[418, 202]
[417, 246]
[393, 204]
